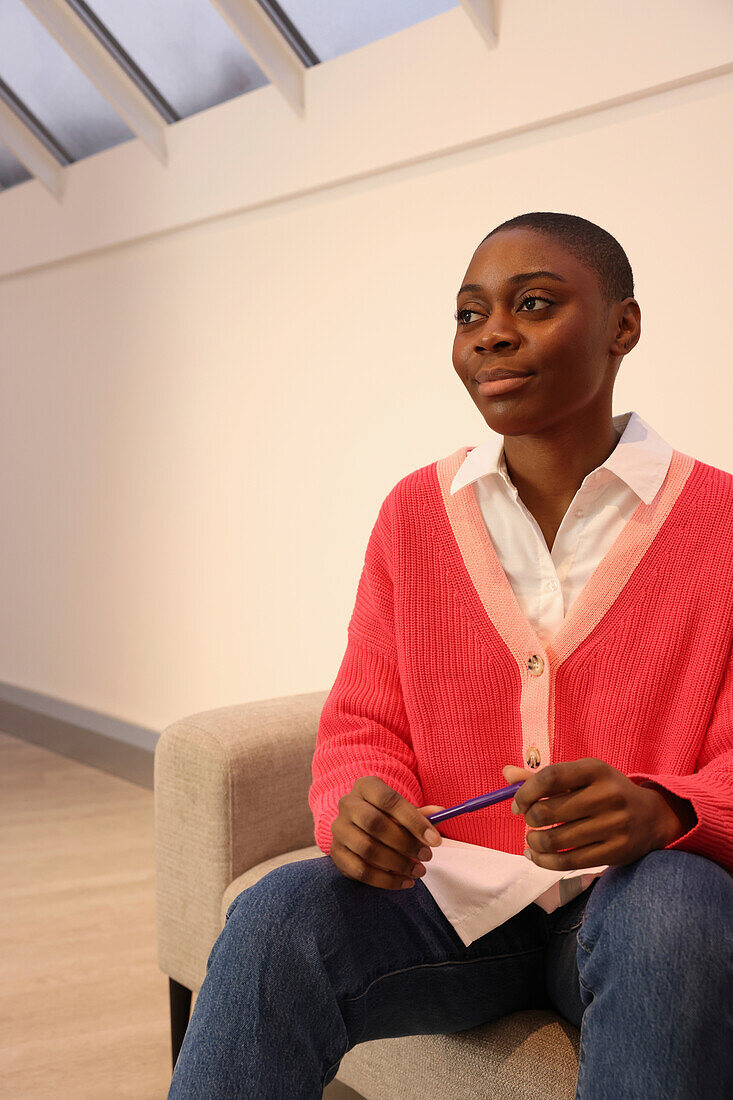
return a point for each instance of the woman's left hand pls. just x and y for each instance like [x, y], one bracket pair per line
[599, 815]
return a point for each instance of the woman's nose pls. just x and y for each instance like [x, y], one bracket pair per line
[497, 335]
[499, 330]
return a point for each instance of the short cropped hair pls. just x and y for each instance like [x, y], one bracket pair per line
[590, 244]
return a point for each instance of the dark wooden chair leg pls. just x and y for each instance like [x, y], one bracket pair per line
[180, 1000]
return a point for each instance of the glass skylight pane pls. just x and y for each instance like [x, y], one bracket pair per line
[185, 48]
[11, 170]
[52, 86]
[333, 27]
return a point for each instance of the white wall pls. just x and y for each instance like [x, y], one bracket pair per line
[197, 429]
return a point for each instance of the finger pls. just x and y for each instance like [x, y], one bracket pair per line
[382, 828]
[377, 854]
[389, 802]
[604, 830]
[356, 868]
[562, 808]
[426, 811]
[555, 779]
[376, 838]
[516, 775]
[591, 855]
[513, 775]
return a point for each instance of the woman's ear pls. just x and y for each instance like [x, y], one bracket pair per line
[628, 330]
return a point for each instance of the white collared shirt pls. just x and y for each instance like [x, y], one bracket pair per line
[547, 582]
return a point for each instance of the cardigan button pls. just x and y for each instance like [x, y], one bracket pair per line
[533, 757]
[536, 665]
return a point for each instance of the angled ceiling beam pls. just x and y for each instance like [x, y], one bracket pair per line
[103, 34]
[117, 87]
[482, 14]
[31, 144]
[268, 46]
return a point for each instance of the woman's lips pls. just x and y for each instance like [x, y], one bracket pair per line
[502, 385]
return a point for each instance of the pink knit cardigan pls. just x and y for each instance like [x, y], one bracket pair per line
[444, 680]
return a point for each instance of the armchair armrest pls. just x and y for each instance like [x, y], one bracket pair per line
[231, 790]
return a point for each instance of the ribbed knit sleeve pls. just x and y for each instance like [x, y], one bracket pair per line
[363, 728]
[710, 789]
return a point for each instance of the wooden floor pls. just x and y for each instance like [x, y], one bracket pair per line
[84, 1007]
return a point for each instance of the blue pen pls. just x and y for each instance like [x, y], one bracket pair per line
[476, 803]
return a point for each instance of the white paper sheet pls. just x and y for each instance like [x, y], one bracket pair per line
[479, 888]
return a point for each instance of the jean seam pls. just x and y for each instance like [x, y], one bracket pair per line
[325, 1075]
[448, 962]
[564, 931]
[585, 986]
[586, 949]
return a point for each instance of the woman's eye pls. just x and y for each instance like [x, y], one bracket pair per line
[462, 315]
[534, 298]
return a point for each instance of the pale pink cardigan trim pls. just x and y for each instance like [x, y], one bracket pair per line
[600, 592]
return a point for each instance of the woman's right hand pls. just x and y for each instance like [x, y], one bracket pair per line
[380, 838]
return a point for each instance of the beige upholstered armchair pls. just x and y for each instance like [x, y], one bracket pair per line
[231, 803]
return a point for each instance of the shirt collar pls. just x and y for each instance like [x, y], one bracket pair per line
[641, 458]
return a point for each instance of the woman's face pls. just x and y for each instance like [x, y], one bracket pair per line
[558, 330]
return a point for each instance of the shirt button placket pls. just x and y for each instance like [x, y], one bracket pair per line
[535, 666]
[533, 756]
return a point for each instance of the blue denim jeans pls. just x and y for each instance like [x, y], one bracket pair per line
[310, 963]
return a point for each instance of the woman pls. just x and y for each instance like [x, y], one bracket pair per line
[556, 608]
